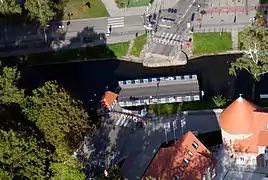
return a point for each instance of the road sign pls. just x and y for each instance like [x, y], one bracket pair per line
[183, 122]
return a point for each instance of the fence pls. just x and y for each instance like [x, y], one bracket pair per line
[200, 30]
[148, 101]
[158, 79]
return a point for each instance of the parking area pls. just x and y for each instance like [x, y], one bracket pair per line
[236, 175]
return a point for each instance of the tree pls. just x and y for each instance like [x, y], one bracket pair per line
[9, 7]
[255, 61]
[40, 11]
[61, 118]
[70, 169]
[22, 156]
[219, 101]
[9, 92]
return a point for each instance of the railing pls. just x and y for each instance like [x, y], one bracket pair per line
[163, 100]
[159, 79]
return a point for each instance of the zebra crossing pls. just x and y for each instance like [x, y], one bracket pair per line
[117, 22]
[167, 39]
[122, 120]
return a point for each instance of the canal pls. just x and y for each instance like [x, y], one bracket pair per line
[84, 79]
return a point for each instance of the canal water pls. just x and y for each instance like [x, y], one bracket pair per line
[88, 80]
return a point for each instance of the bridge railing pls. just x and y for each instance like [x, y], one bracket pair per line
[158, 79]
[163, 100]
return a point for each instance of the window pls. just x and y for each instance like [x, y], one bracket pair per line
[186, 161]
[241, 158]
[176, 177]
[181, 168]
[195, 145]
[190, 153]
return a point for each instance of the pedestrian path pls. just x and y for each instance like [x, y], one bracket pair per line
[117, 22]
[167, 39]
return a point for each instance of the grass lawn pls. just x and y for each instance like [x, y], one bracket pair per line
[132, 3]
[240, 44]
[165, 109]
[263, 1]
[94, 52]
[138, 45]
[212, 42]
[80, 10]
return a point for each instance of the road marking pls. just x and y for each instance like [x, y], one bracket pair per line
[162, 25]
[167, 35]
[116, 22]
[174, 37]
[122, 122]
[119, 120]
[163, 34]
[170, 36]
[186, 11]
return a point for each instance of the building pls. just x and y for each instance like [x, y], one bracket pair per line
[244, 128]
[186, 159]
[109, 100]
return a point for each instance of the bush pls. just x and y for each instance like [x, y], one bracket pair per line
[219, 101]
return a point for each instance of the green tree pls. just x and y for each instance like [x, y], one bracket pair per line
[7, 8]
[69, 169]
[255, 60]
[9, 92]
[40, 11]
[21, 156]
[61, 118]
[219, 101]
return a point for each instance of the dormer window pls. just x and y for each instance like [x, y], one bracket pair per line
[176, 177]
[195, 145]
[181, 168]
[190, 153]
[186, 161]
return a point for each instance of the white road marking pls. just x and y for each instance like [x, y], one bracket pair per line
[163, 34]
[116, 22]
[186, 11]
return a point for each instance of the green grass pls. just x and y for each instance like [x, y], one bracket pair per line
[263, 1]
[138, 45]
[80, 10]
[81, 54]
[240, 44]
[165, 109]
[212, 42]
[132, 3]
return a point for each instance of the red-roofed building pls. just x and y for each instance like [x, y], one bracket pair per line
[109, 99]
[244, 129]
[186, 159]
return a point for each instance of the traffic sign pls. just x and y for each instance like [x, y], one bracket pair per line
[167, 127]
[174, 123]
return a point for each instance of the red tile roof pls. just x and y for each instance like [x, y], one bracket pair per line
[108, 98]
[168, 160]
[249, 145]
[238, 117]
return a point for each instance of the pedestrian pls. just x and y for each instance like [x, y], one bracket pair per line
[136, 34]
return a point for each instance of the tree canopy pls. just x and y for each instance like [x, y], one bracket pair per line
[22, 156]
[40, 11]
[9, 7]
[9, 92]
[255, 59]
[60, 117]
[39, 132]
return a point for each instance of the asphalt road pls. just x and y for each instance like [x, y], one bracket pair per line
[142, 144]
[185, 8]
[34, 33]
[163, 90]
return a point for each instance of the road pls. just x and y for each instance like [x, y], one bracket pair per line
[163, 90]
[141, 143]
[166, 39]
[84, 27]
